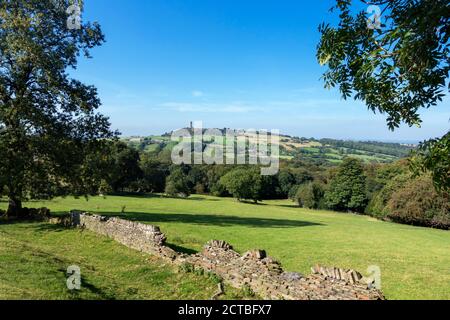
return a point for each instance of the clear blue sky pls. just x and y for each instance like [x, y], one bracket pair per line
[229, 63]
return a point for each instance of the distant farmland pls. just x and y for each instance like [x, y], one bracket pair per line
[329, 151]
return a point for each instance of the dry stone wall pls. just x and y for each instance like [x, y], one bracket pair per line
[142, 237]
[266, 277]
[254, 270]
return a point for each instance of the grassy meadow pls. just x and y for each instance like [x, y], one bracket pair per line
[414, 261]
[35, 256]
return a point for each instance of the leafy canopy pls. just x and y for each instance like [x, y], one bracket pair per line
[244, 184]
[396, 69]
[177, 183]
[347, 189]
[48, 121]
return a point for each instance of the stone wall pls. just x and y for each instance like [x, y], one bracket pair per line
[254, 270]
[142, 237]
[266, 277]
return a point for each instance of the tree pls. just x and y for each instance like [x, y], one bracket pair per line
[309, 195]
[286, 181]
[197, 179]
[417, 203]
[270, 188]
[154, 174]
[177, 183]
[377, 206]
[244, 184]
[347, 189]
[48, 121]
[378, 175]
[214, 174]
[434, 156]
[124, 167]
[396, 67]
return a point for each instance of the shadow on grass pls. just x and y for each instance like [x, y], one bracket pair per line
[86, 285]
[216, 220]
[161, 196]
[36, 225]
[199, 219]
[180, 249]
[292, 206]
[13, 221]
[46, 227]
[134, 195]
[104, 295]
[252, 203]
[199, 198]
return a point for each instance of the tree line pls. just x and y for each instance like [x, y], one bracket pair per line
[384, 191]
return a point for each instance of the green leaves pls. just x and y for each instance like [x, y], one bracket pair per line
[244, 183]
[434, 156]
[397, 70]
[177, 183]
[48, 122]
[347, 189]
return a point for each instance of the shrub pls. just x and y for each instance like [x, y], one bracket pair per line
[418, 203]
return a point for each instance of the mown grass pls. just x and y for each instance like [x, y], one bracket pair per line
[34, 258]
[415, 262]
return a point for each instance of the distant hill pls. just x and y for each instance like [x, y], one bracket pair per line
[330, 151]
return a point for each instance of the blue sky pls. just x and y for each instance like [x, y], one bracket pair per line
[229, 63]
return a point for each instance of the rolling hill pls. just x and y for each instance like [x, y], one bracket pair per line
[326, 151]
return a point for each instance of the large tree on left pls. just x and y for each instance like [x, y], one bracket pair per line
[49, 126]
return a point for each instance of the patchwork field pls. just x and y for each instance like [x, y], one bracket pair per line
[328, 150]
[415, 262]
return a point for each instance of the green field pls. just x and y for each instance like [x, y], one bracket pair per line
[415, 262]
[35, 256]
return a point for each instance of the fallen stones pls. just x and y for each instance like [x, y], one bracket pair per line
[347, 275]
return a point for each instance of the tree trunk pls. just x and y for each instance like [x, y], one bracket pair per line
[14, 208]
